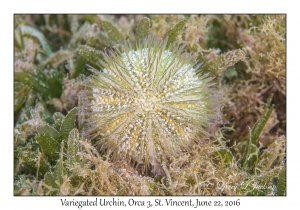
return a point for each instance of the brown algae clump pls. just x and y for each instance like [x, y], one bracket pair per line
[148, 102]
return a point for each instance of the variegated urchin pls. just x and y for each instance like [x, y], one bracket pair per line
[148, 102]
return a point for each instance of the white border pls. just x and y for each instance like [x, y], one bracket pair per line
[8, 8]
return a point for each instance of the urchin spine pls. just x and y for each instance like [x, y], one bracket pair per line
[148, 102]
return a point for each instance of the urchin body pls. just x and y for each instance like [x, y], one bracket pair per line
[148, 102]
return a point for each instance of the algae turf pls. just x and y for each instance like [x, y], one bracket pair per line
[243, 152]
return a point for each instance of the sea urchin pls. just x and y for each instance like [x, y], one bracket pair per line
[148, 101]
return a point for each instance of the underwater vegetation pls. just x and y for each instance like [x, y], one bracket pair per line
[150, 105]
